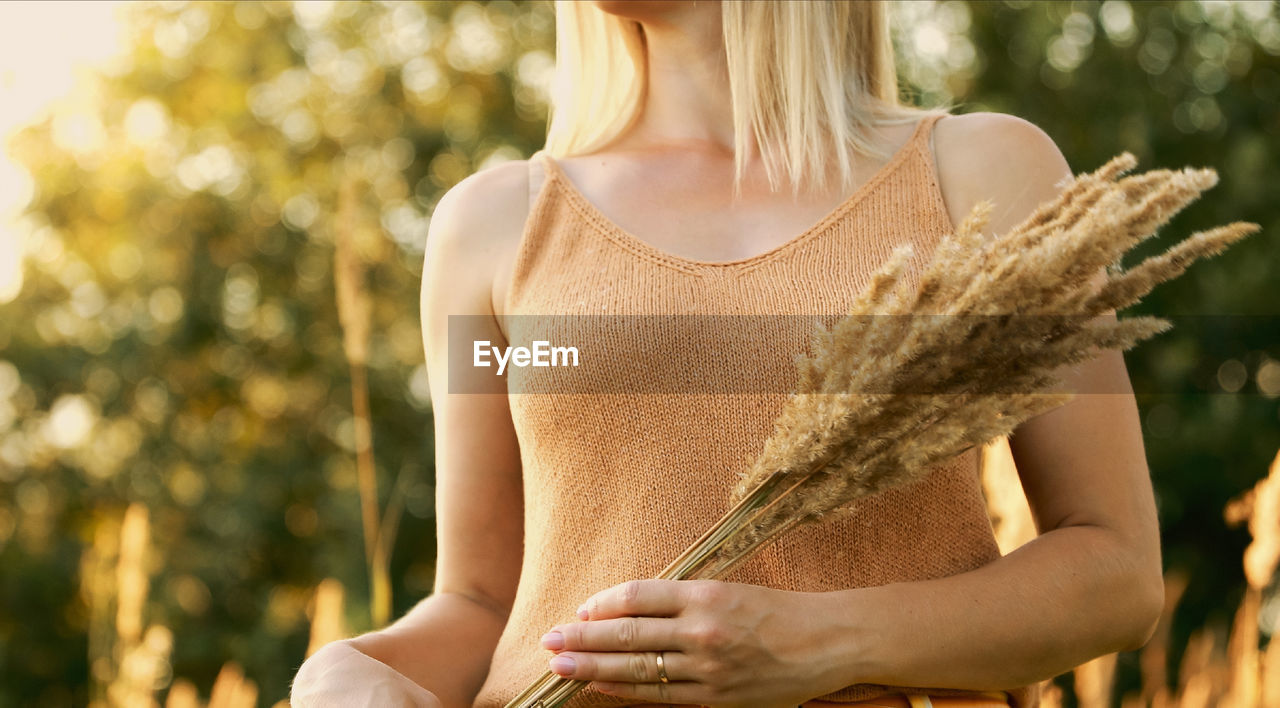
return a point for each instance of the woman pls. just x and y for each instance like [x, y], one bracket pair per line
[711, 159]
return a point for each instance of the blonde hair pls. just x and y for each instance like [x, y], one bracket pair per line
[807, 80]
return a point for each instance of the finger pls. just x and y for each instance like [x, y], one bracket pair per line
[621, 667]
[650, 598]
[677, 692]
[619, 634]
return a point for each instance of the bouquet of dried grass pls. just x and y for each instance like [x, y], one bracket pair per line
[882, 398]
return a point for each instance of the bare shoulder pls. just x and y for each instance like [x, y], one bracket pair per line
[475, 228]
[478, 213]
[997, 156]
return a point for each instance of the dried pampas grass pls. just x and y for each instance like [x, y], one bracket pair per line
[916, 375]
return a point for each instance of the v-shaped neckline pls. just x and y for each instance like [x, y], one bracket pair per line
[630, 241]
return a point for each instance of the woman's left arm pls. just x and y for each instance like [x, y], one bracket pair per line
[1088, 585]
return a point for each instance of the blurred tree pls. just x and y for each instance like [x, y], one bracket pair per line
[177, 342]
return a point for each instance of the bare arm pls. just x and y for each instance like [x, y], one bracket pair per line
[1090, 584]
[446, 641]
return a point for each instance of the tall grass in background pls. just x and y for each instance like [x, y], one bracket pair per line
[129, 657]
[129, 665]
[355, 314]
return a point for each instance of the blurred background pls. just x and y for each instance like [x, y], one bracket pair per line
[215, 429]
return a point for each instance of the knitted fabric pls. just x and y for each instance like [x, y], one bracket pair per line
[617, 484]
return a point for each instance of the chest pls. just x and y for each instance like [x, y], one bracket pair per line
[701, 222]
[603, 243]
[695, 213]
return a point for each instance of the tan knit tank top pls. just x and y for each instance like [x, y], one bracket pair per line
[617, 484]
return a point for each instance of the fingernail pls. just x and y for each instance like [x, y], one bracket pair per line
[553, 640]
[563, 665]
[582, 612]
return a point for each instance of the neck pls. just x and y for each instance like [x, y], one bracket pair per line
[688, 101]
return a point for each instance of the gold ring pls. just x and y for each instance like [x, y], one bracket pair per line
[662, 669]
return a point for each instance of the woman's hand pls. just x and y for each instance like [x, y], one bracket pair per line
[340, 676]
[722, 644]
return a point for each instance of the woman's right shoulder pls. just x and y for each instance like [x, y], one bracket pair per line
[484, 211]
[473, 236]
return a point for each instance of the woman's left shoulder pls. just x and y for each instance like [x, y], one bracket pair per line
[997, 156]
[1000, 135]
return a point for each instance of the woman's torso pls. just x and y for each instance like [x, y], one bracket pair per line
[621, 474]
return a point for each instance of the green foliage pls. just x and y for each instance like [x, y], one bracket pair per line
[177, 344]
[178, 323]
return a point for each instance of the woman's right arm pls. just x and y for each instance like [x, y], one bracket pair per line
[446, 641]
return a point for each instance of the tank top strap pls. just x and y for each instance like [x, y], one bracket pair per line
[927, 134]
[537, 175]
[921, 138]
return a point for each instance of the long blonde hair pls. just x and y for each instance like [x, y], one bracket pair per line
[807, 80]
